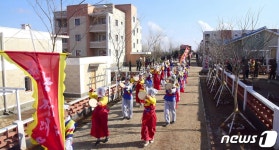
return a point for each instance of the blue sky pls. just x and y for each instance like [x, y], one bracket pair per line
[182, 21]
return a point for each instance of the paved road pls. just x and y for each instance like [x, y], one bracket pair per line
[189, 131]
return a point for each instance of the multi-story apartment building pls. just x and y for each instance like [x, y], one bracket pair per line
[100, 30]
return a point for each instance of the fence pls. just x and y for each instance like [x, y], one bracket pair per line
[266, 111]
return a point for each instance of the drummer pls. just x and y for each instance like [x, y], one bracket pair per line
[127, 100]
[148, 81]
[170, 103]
[156, 78]
[148, 126]
[99, 127]
[140, 87]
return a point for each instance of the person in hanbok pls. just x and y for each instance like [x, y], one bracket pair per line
[170, 103]
[162, 77]
[127, 100]
[149, 118]
[177, 94]
[140, 87]
[99, 120]
[69, 129]
[156, 78]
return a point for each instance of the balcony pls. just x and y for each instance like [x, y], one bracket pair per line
[98, 28]
[62, 30]
[98, 44]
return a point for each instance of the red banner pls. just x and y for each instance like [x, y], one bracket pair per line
[184, 55]
[47, 73]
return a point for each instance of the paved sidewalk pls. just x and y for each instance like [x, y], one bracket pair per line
[189, 131]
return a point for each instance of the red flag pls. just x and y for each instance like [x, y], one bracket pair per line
[186, 51]
[47, 73]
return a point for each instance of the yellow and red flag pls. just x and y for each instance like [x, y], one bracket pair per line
[47, 74]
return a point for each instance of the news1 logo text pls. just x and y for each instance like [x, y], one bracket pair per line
[266, 139]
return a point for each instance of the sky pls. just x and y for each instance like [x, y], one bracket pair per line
[181, 21]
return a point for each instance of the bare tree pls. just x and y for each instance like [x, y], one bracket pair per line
[153, 43]
[45, 11]
[245, 47]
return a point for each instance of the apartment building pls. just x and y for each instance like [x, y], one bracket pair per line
[100, 30]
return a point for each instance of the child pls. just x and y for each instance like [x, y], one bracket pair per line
[69, 128]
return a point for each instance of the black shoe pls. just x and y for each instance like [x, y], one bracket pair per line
[128, 118]
[106, 140]
[172, 122]
[124, 118]
[166, 124]
[97, 142]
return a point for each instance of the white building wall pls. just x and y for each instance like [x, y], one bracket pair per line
[13, 39]
[136, 38]
[78, 74]
[114, 30]
[28, 40]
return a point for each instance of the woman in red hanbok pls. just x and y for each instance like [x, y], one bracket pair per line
[156, 79]
[162, 77]
[99, 120]
[181, 82]
[149, 118]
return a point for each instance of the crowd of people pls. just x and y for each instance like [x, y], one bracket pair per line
[144, 85]
[253, 67]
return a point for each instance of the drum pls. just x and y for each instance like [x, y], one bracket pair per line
[93, 102]
[121, 84]
[142, 95]
[136, 78]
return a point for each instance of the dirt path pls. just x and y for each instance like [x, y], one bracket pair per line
[189, 131]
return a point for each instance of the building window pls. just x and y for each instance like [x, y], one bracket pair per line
[101, 20]
[59, 22]
[121, 23]
[77, 37]
[134, 45]
[78, 52]
[77, 22]
[134, 19]
[104, 37]
[134, 32]
[121, 37]
[101, 37]
[137, 30]
[137, 41]
[64, 40]
[116, 22]
[28, 84]
[116, 37]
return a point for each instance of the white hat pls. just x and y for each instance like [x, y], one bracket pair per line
[101, 92]
[152, 91]
[66, 107]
